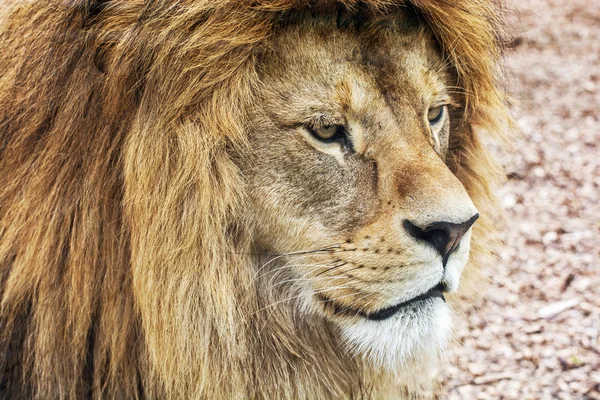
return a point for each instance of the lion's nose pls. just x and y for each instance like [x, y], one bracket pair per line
[443, 236]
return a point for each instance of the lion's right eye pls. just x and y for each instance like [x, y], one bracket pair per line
[328, 133]
[435, 114]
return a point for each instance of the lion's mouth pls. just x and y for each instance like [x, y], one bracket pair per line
[436, 291]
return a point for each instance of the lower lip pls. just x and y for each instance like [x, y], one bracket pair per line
[386, 313]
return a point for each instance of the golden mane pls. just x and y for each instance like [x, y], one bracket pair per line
[125, 270]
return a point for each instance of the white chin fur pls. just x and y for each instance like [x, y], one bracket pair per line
[416, 335]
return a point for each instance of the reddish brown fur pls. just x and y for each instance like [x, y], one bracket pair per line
[117, 230]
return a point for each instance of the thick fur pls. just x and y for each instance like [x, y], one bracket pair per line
[126, 262]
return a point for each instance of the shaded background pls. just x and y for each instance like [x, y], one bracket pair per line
[536, 334]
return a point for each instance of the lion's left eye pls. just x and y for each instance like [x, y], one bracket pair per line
[435, 114]
[328, 133]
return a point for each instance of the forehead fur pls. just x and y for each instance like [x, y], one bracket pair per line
[321, 65]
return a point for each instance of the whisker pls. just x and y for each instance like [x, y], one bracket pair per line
[349, 295]
[332, 268]
[300, 252]
[286, 265]
[307, 279]
[312, 267]
[289, 265]
[300, 295]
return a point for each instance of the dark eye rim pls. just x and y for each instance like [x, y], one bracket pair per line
[438, 117]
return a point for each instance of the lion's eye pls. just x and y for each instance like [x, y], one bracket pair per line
[435, 114]
[328, 133]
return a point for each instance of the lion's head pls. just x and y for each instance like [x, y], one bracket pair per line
[348, 177]
[238, 199]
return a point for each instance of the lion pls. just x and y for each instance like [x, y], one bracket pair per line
[241, 199]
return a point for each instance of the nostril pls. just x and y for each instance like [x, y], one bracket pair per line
[439, 238]
[443, 236]
[437, 235]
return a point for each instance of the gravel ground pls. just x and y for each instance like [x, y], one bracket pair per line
[537, 334]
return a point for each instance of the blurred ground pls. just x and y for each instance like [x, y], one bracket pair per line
[536, 336]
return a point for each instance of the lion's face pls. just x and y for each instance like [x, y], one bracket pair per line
[348, 179]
